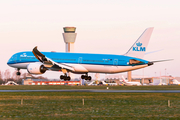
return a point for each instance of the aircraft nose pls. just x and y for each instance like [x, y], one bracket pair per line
[9, 62]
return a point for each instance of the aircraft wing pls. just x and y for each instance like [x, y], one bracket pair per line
[50, 64]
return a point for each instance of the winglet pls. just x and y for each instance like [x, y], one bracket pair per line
[39, 55]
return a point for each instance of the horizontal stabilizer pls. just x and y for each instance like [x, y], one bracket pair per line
[153, 51]
[162, 60]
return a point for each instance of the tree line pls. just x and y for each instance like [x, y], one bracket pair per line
[6, 76]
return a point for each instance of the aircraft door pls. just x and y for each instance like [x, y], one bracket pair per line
[115, 62]
[80, 60]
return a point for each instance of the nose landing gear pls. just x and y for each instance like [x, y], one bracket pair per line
[18, 73]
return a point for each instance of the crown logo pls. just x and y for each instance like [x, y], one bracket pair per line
[139, 44]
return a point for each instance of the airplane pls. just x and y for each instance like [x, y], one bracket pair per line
[175, 82]
[111, 84]
[91, 83]
[130, 83]
[37, 62]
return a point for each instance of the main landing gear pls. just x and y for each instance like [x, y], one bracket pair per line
[86, 77]
[18, 73]
[65, 77]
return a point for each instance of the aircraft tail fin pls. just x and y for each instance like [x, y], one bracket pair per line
[138, 49]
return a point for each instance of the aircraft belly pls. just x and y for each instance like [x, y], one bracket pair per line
[98, 68]
[118, 69]
[79, 68]
[111, 69]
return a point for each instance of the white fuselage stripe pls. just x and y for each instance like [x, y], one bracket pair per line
[92, 68]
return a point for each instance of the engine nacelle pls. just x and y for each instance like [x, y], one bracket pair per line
[36, 68]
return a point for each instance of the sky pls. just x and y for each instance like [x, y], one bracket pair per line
[102, 26]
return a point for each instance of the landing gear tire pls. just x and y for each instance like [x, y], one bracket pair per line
[89, 78]
[82, 76]
[86, 77]
[18, 73]
[63, 77]
[68, 78]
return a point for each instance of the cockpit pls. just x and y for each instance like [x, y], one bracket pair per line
[13, 59]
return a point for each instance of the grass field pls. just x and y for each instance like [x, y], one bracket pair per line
[56, 87]
[69, 105]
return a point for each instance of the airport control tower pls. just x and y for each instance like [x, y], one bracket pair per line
[69, 36]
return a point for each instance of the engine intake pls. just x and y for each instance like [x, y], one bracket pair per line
[36, 68]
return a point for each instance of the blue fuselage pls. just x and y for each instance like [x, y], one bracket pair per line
[76, 58]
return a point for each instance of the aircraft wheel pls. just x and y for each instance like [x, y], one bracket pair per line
[65, 78]
[86, 77]
[61, 77]
[18, 73]
[82, 76]
[68, 78]
[89, 77]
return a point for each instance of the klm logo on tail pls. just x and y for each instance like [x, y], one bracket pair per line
[139, 48]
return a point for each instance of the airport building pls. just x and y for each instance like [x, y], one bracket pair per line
[163, 80]
[30, 81]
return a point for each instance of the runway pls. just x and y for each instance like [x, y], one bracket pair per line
[98, 91]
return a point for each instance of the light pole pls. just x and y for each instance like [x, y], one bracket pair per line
[165, 71]
[143, 76]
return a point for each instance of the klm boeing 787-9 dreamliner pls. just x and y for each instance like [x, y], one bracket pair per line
[37, 62]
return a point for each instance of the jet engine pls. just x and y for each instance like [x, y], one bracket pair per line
[36, 68]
